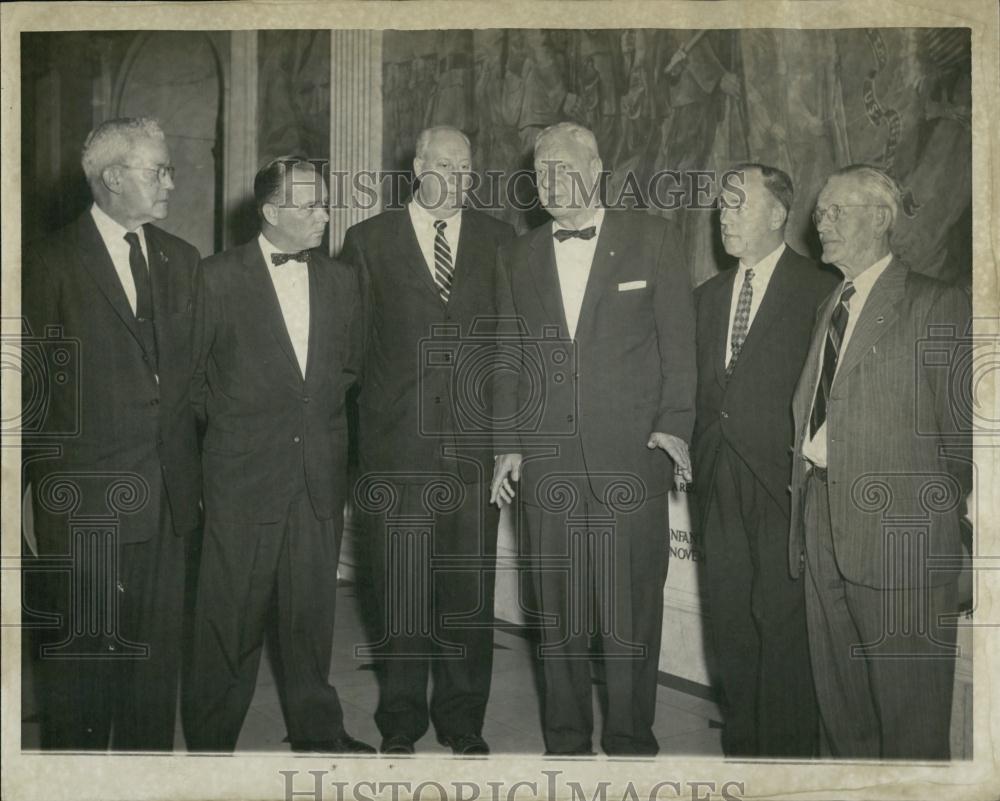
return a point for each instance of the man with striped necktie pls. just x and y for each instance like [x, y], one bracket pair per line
[753, 335]
[880, 474]
[427, 273]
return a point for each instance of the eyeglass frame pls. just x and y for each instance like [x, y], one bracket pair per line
[165, 171]
[819, 215]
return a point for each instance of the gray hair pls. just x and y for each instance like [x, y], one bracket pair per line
[572, 130]
[111, 141]
[425, 136]
[876, 184]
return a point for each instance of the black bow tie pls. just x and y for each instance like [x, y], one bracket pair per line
[562, 234]
[281, 258]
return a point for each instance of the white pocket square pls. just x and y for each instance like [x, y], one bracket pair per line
[631, 285]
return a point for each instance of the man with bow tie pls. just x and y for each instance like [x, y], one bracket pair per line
[425, 410]
[594, 406]
[277, 336]
[119, 442]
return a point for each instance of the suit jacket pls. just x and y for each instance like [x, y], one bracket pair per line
[896, 400]
[629, 372]
[751, 410]
[115, 408]
[423, 389]
[271, 432]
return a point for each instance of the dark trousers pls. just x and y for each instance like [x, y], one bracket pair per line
[883, 663]
[598, 575]
[433, 559]
[758, 618]
[108, 672]
[245, 569]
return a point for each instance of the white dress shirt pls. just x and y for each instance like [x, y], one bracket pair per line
[814, 449]
[423, 226]
[762, 272]
[113, 234]
[574, 258]
[291, 285]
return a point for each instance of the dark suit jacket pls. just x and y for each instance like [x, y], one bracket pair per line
[631, 369]
[423, 388]
[751, 411]
[268, 428]
[899, 395]
[111, 415]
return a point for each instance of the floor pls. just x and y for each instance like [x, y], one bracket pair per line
[685, 723]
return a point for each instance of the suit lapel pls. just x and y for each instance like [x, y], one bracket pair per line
[611, 244]
[542, 265]
[720, 324]
[159, 278]
[264, 300]
[878, 315]
[94, 257]
[319, 317]
[802, 403]
[463, 252]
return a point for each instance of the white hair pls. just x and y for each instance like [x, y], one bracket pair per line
[877, 185]
[111, 141]
[425, 136]
[572, 130]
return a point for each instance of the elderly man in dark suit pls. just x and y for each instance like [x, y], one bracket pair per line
[277, 343]
[753, 333]
[880, 473]
[121, 289]
[594, 408]
[428, 280]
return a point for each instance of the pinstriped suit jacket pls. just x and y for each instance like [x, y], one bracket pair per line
[899, 433]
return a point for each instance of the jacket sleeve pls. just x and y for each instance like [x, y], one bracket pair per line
[509, 361]
[204, 320]
[675, 329]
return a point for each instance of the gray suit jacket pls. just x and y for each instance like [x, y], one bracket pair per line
[899, 433]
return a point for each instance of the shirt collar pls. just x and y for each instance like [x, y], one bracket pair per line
[421, 217]
[596, 221]
[863, 283]
[110, 229]
[765, 266]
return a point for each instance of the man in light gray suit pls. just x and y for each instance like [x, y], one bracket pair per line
[880, 476]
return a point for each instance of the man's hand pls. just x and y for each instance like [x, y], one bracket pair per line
[506, 469]
[676, 449]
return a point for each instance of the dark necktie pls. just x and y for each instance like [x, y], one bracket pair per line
[281, 258]
[741, 321]
[443, 270]
[831, 355]
[140, 277]
[562, 234]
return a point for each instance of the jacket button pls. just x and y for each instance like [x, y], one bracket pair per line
[154, 402]
[296, 438]
[305, 399]
[437, 398]
[569, 418]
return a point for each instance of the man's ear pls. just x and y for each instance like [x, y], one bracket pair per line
[270, 213]
[779, 215]
[884, 219]
[111, 177]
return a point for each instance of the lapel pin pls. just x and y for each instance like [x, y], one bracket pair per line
[612, 253]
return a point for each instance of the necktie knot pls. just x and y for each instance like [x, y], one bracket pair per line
[133, 239]
[562, 234]
[848, 292]
[280, 258]
[440, 225]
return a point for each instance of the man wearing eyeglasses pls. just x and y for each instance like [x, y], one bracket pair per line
[753, 334]
[118, 290]
[881, 470]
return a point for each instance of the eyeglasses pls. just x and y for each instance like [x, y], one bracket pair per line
[832, 212]
[162, 173]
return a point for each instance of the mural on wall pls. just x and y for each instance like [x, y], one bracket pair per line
[699, 100]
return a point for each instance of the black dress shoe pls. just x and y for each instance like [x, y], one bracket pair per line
[398, 744]
[345, 744]
[465, 744]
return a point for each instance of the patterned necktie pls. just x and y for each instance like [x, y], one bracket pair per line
[741, 322]
[443, 270]
[831, 355]
[562, 234]
[140, 276]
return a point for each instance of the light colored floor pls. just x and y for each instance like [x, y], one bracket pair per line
[685, 724]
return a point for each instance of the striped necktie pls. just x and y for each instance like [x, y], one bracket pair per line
[741, 321]
[443, 269]
[831, 355]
